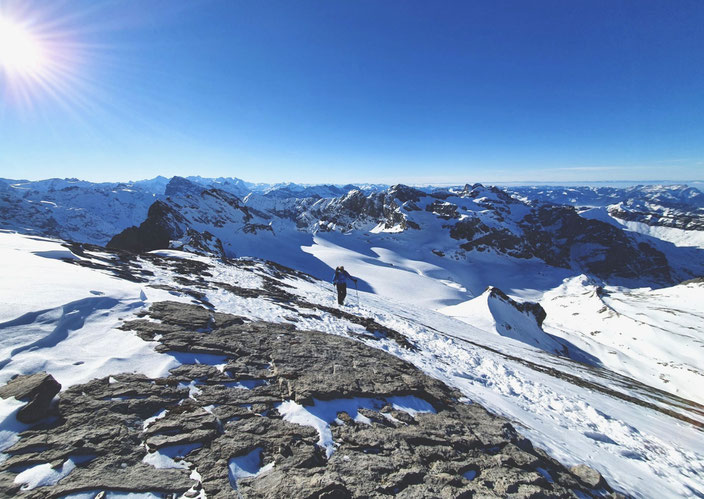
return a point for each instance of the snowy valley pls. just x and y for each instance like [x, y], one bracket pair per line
[575, 314]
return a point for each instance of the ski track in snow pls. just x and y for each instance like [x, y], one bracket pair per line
[638, 450]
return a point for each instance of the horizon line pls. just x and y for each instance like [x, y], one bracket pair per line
[410, 184]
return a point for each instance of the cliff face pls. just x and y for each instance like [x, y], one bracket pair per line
[162, 225]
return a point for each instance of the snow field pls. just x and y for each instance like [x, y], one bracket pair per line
[65, 322]
[655, 336]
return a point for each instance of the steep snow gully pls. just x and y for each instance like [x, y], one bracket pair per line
[203, 376]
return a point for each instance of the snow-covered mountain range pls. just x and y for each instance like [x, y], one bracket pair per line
[95, 212]
[675, 206]
[574, 312]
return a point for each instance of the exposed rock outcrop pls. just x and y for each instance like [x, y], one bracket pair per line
[227, 404]
[37, 390]
[163, 224]
[533, 308]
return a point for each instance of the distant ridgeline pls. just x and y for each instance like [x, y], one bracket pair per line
[652, 235]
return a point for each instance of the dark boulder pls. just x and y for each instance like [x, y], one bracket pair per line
[37, 390]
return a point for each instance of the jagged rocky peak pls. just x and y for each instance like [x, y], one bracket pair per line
[560, 237]
[470, 191]
[192, 217]
[404, 193]
[359, 211]
[163, 224]
[355, 201]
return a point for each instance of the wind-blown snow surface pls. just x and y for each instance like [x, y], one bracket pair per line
[578, 414]
[47, 305]
[654, 336]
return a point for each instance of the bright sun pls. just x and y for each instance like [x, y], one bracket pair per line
[41, 58]
[21, 52]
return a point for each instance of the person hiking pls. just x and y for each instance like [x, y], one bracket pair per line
[340, 281]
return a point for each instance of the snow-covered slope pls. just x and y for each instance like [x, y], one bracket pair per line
[494, 311]
[656, 336]
[644, 441]
[62, 318]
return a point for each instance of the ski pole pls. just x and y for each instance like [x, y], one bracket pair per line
[356, 291]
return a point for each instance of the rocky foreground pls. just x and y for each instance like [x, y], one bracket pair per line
[219, 430]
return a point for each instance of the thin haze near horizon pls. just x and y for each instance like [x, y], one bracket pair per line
[363, 91]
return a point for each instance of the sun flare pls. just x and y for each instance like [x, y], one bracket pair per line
[40, 58]
[21, 52]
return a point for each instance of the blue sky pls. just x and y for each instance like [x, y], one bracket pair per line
[359, 91]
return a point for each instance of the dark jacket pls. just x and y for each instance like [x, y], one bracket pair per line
[342, 277]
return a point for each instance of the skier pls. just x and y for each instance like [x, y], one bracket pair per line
[340, 281]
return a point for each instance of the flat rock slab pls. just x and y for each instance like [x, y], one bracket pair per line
[217, 424]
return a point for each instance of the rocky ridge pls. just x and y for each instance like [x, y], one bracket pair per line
[225, 406]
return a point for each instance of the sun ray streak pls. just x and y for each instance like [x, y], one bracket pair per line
[40, 61]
